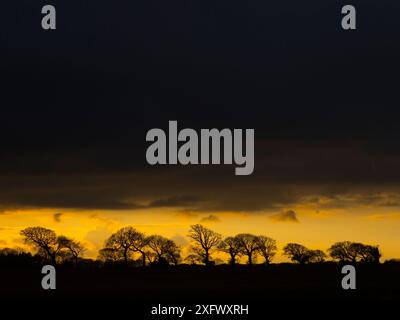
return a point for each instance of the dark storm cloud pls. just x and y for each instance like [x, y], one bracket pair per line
[214, 192]
[286, 216]
[76, 104]
[210, 219]
[177, 201]
[368, 197]
[57, 216]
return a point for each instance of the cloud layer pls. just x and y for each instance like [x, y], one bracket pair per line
[286, 216]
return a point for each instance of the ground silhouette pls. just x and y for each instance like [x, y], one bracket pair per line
[142, 271]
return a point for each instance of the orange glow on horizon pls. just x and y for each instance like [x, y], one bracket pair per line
[316, 230]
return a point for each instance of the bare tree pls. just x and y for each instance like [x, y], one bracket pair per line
[205, 240]
[139, 245]
[173, 253]
[297, 252]
[164, 248]
[232, 246]
[248, 245]
[266, 247]
[371, 254]
[345, 251]
[110, 255]
[127, 240]
[74, 248]
[317, 256]
[354, 252]
[44, 240]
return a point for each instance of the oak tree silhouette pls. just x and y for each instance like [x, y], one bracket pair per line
[204, 240]
[164, 249]
[127, 240]
[231, 246]
[353, 252]
[44, 240]
[248, 246]
[297, 253]
[74, 249]
[266, 246]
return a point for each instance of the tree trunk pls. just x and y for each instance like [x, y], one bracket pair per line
[52, 256]
[143, 258]
[250, 259]
[206, 258]
[126, 257]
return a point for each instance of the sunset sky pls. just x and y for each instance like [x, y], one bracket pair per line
[76, 105]
[317, 230]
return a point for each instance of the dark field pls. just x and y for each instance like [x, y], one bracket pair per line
[258, 286]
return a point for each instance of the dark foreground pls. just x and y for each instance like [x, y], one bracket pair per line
[263, 288]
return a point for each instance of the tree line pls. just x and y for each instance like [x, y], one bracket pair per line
[127, 243]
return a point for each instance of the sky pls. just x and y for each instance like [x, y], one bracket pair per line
[77, 102]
